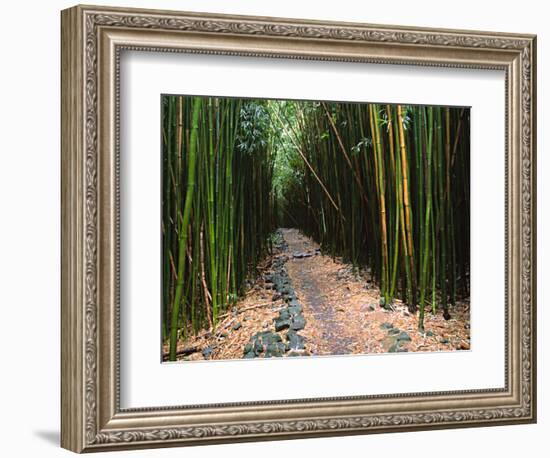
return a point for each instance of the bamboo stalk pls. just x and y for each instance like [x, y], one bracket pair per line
[382, 198]
[197, 101]
[407, 205]
[397, 201]
[427, 222]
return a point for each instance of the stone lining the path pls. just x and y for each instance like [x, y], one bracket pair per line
[285, 340]
[397, 338]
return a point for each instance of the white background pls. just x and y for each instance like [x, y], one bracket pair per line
[29, 242]
[146, 75]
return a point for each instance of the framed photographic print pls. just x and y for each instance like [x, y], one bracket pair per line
[277, 228]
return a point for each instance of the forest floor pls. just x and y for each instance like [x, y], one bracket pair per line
[340, 307]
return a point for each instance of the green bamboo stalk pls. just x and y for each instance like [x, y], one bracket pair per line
[427, 221]
[184, 225]
[442, 211]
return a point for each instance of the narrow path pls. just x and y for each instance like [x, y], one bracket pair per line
[327, 290]
[340, 307]
[342, 312]
[328, 330]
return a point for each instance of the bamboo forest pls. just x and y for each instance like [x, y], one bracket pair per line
[312, 228]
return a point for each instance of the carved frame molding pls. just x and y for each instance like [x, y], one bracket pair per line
[92, 39]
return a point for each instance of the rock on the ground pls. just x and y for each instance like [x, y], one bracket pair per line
[298, 322]
[394, 348]
[298, 353]
[258, 347]
[302, 254]
[290, 297]
[267, 342]
[207, 351]
[284, 314]
[275, 349]
[295, 309]
[404, 337]
[269, 337]
[295, 340]
[282, 324]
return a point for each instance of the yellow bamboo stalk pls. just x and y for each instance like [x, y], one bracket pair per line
[375, 129]
[406, 195]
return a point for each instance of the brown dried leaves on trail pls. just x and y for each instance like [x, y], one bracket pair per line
[253, 313]
[343, 315]
[341, 310]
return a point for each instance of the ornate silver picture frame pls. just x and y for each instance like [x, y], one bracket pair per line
[93, 39]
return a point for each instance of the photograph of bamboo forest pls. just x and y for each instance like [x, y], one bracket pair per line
[298, 228]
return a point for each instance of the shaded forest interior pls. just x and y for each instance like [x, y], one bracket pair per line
[384, 188]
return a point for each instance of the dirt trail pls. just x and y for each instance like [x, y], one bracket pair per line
[329, 331]
[340, 307]
[343, 315]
